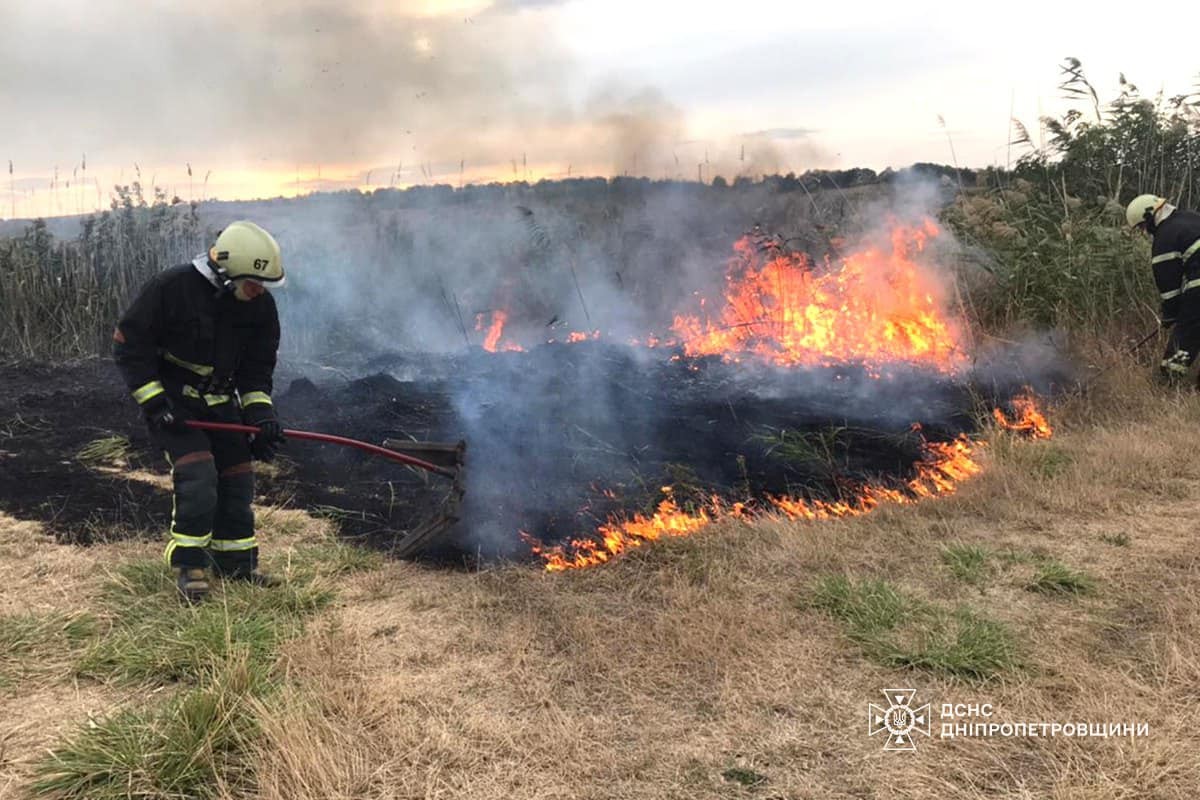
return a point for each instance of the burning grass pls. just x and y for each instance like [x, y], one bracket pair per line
[944, 465]
[878, 306]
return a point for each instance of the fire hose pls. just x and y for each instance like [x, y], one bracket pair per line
[366, 447]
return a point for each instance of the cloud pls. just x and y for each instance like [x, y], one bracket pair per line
[312, 82]
[278, 81]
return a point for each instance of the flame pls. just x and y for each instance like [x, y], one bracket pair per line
[942, 468]
[1027, 419]
[491, 340]
[618, 536]
[878, 306]
[944, 465]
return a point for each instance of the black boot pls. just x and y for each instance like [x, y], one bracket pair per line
[192, 583]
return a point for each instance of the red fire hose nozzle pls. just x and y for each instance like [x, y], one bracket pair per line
[366, 447]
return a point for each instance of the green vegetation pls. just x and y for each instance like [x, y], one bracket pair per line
[217, 659]
[1052, 227]
[1052, 577]
[330, 558]
[1048, 460]
[898, 631]
[187, 747]
[819, 446]
[973, 564]
[31, 642]
[967, 562]
[61, 299]
[153, 638]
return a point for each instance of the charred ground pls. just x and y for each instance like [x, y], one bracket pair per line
[560, 439]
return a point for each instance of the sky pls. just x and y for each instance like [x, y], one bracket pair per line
[285, 97]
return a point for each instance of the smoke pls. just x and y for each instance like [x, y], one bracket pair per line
[400, 278]
[635, 127]
[270, 85]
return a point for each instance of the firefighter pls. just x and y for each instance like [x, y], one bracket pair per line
[1175, 259]
[200, 342]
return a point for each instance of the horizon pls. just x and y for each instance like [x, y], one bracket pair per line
[758, 179]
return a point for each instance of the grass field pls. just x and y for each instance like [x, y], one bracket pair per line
[1058, 586]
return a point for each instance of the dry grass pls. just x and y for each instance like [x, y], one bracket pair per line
[695, 668]
[689, 670]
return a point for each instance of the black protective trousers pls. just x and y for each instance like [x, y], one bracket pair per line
[212, 524]
[1183, 342]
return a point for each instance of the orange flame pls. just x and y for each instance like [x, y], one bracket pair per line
[491, 340]
[1027, 419]
[943, 467]
[877, 306]
[617, 537]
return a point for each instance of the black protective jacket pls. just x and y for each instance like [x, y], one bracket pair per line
[184, 337]
[1176, 260]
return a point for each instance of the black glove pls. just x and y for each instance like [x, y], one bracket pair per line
[270, 433]
[161, 414]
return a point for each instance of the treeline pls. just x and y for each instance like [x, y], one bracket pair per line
[581, 188]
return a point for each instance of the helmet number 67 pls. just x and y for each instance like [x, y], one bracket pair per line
[261, 263]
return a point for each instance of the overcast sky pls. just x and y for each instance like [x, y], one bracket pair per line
[265, 96]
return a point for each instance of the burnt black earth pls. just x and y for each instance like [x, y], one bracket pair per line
[559, 438]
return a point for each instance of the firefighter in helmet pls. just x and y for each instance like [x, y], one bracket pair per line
[200, 342]
[1175, 259]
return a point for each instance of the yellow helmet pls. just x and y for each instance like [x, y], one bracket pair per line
[244, 250]
[1140, 206]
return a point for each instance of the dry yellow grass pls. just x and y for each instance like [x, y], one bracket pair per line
[694, 667]
[662, 674]
[38, 576]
